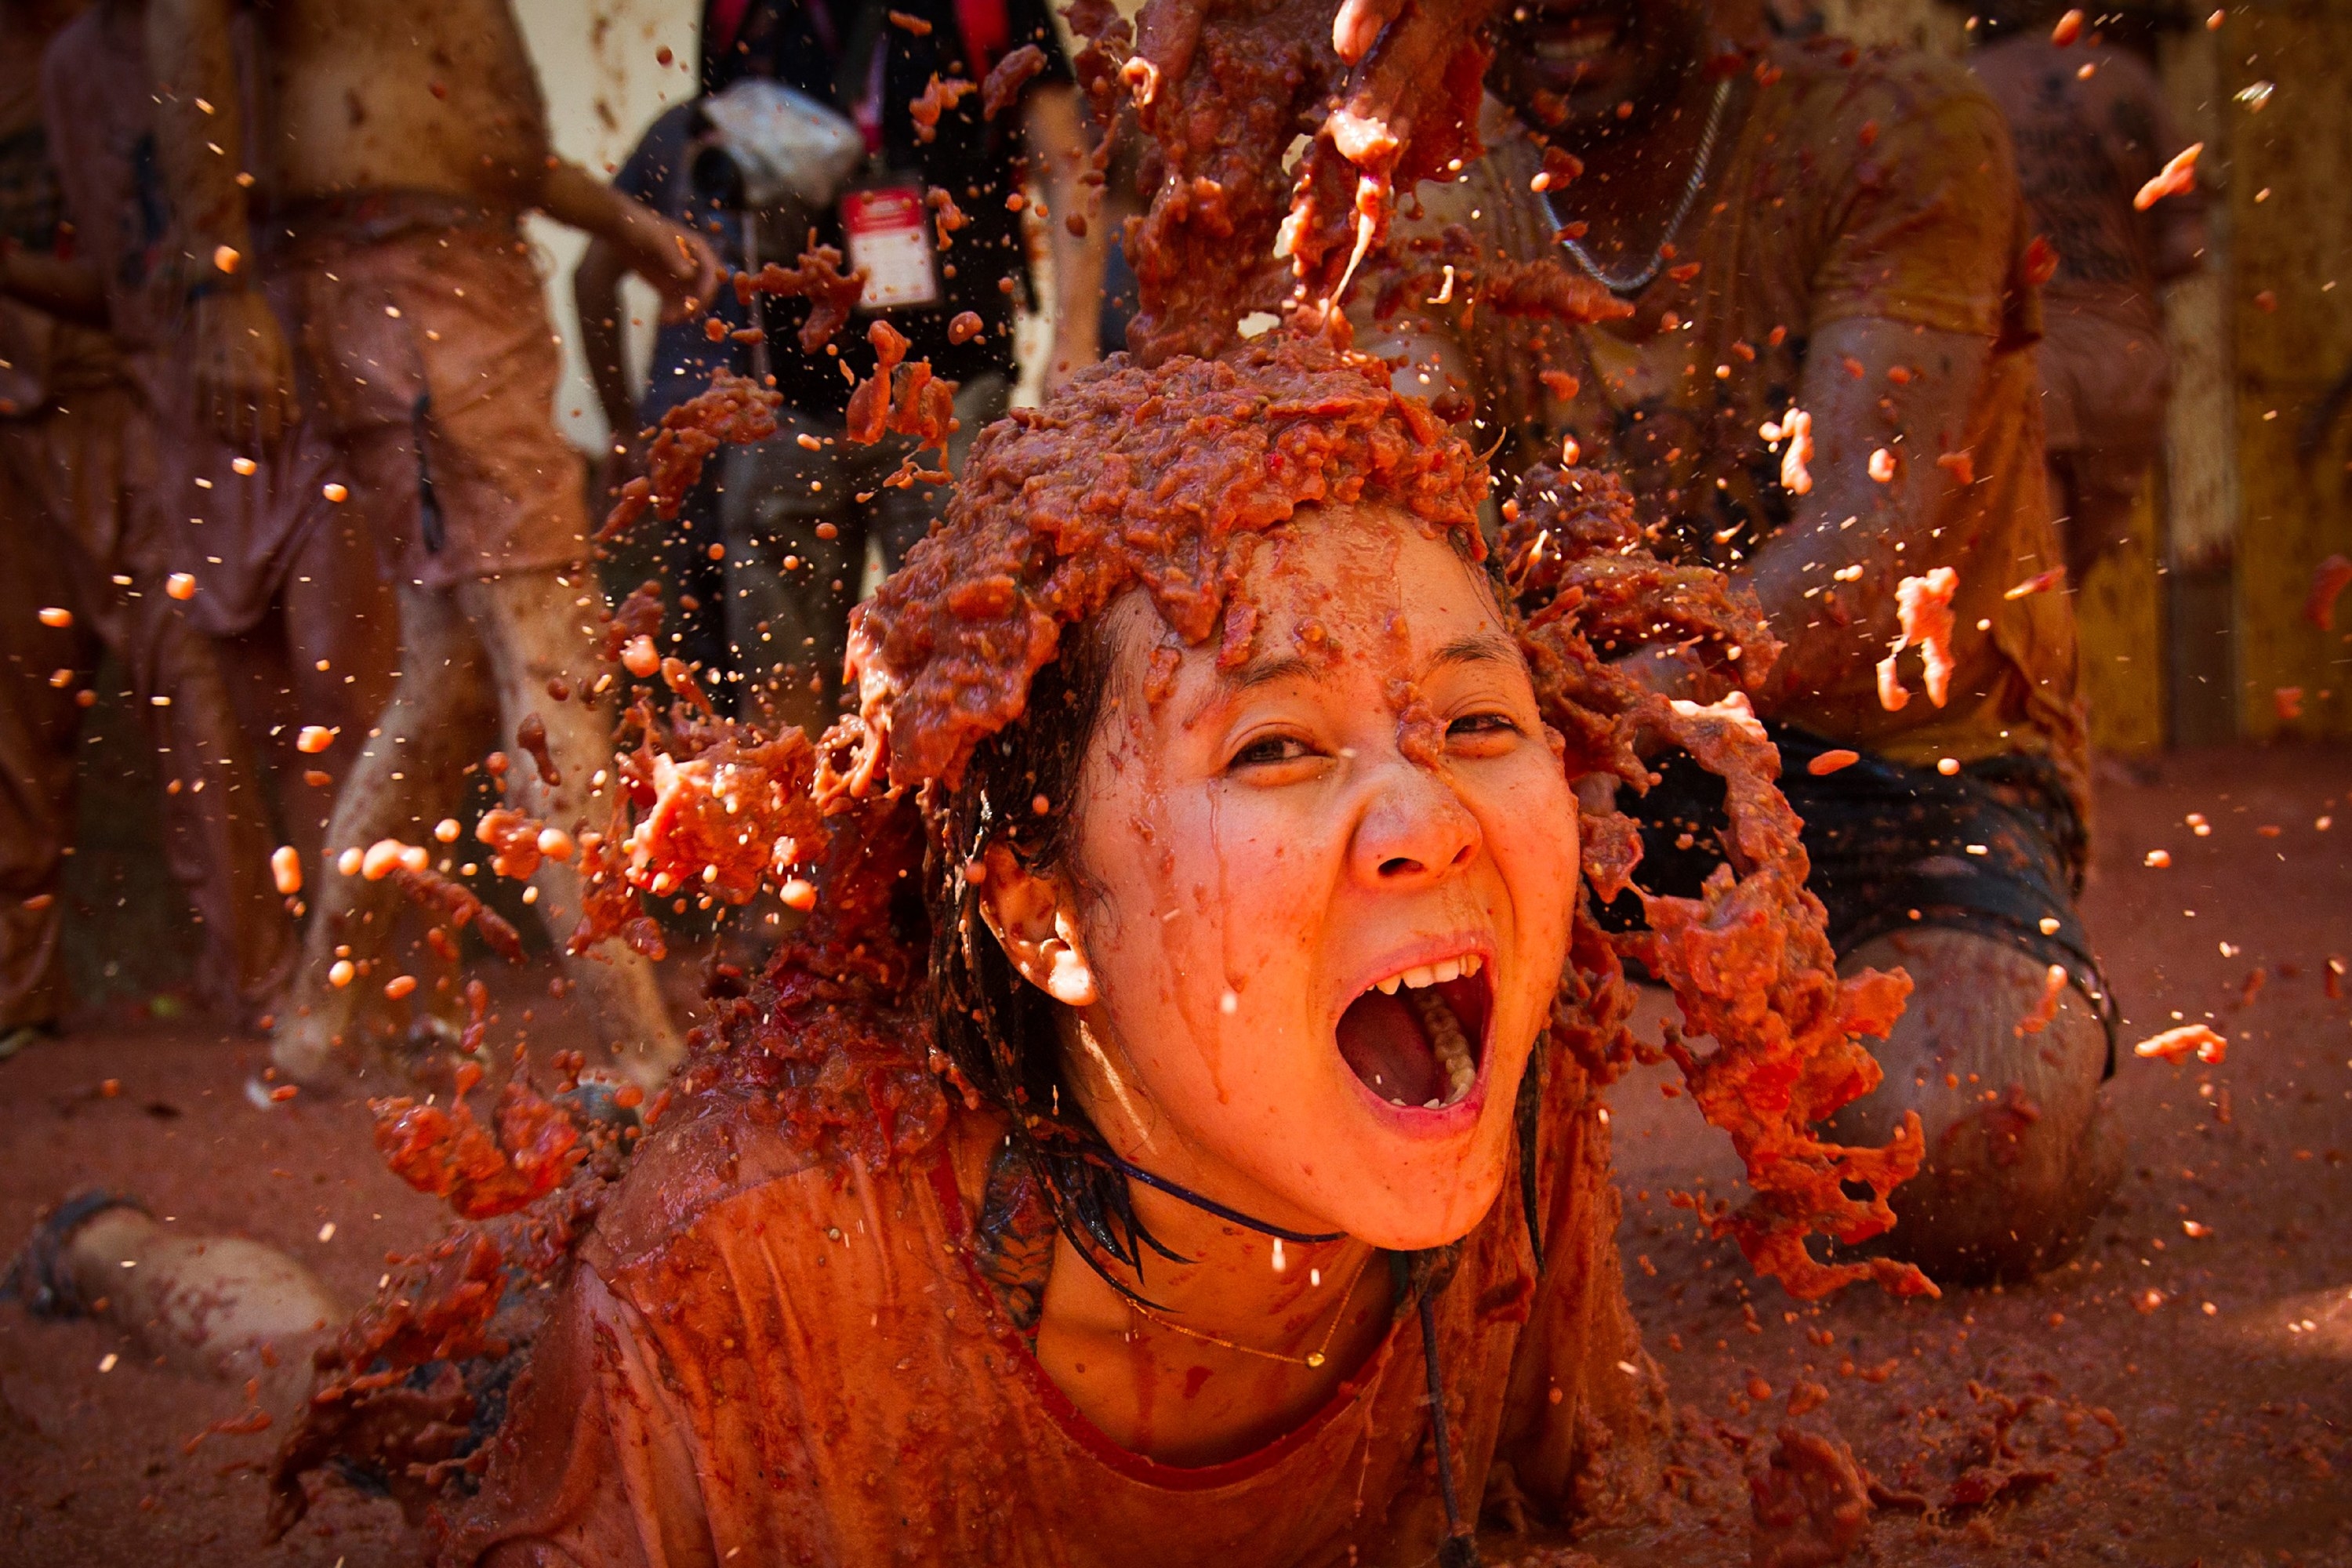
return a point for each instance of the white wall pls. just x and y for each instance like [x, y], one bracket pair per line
[1939, 30]
[599, 65]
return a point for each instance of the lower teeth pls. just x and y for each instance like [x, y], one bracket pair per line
[1453, 1048]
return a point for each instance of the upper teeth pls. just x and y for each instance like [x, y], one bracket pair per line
[1579, 48]
[1425, 974]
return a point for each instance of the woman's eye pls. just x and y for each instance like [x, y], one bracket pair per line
[1271, 749]
[1482, 726]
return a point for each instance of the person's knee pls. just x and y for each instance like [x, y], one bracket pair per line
[211, 1306]
[2019, 1155]
[531, 627]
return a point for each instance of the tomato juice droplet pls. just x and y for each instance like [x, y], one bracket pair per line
[380, 858]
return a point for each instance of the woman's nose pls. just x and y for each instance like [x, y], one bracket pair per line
[1413, 829]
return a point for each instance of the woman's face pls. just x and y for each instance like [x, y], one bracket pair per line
[1323, 893]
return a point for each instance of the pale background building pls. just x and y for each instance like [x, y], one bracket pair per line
[599, 66]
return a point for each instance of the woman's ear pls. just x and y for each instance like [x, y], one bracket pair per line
[1032, 919]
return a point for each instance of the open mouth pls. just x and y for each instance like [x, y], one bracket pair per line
[1575, 47]
[1572, 45]
[1417, 1037]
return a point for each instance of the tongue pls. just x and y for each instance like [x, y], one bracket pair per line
[1383, 1042]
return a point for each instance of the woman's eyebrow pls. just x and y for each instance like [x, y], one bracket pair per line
[1231, 684]
[1477, 647]
[1265, 671]
[1472, 647]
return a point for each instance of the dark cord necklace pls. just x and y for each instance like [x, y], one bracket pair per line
[1211, 1205]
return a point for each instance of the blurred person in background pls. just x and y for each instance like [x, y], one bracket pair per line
[2091, 127]
[283, 581]
[799, 510]
[661, 174]
[402, 146]
[89, 558]
[1126, 194]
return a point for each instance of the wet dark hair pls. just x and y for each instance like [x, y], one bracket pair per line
[999, 1030]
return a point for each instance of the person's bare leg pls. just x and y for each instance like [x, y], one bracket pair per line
[211, 1306]
[37, 722]
[405, 778]
[217, 821]
[335, 611]
[537, 627]
[2022, 1149]
[257, 668]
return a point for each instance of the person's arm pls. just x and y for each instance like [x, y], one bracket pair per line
[2181, 241]
[596, 294]
[70, 290]
[1827, 581]
[1055, 138]
[1851, 520]
[2179, 222]
[1424, 340]
[673, 258]
[244, 373]
[1915, 278]
[1426, 352]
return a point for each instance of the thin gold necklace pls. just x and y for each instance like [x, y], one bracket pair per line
[1315, 1358]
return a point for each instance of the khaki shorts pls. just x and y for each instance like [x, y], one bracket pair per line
[241, 535]
[429, 362]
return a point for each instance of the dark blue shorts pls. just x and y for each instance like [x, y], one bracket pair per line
[1997, 849]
